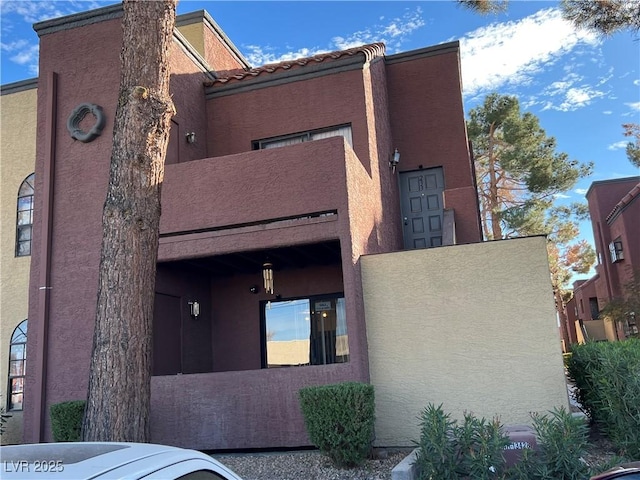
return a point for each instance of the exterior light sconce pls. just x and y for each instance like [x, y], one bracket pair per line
[395, 160]
[253, 289]
[267, 276]
[194, 309]
[191, 137]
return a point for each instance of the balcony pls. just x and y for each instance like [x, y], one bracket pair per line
[254, 187]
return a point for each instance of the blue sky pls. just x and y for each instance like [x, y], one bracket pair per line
[581, 86]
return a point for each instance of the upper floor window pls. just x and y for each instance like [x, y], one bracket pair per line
[17, 364]
[616, 251]
[305, 331]
[24, 222]
[344, 131]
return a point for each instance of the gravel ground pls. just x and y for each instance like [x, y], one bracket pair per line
[312, 465]
[307, 465]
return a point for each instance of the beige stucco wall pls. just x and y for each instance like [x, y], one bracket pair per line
[17, 161]
[599, 330]
[472, 327]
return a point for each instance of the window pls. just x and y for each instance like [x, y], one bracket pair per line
[17, 364]
[593, 308]
[24, 221]
[344, 131]
[615, 250]
[305, 331]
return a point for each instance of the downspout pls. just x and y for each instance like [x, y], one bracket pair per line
[44, 278]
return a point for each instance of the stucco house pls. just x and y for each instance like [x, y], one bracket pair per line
[18, 158]
[279, 180]
[614, 209]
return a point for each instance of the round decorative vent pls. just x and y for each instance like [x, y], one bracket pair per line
[76, 117]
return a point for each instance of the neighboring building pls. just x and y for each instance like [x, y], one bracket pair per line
[278, 180]
[17, 166]
[614, 207]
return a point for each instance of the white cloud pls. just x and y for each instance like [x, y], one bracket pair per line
[257, 55]
[37, 11]
[393, 33]
[513, 52]
[25, 52]
[28, 55]
[634, 106]
[581, 191]
[636, 82]
[570, 93]
[13, 46]
[578, 97]
[607, 112]
[618, 145]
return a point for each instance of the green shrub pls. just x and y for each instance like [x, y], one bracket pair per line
[562, 442]
[66, 420]
[4, 416]
[339, 420]
[474, 448]
[607, 379]
[447, 450]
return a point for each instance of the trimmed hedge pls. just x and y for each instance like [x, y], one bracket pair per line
[607, 378]
[66, 420]
[340, 420]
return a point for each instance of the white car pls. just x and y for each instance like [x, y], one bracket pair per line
[108, 461]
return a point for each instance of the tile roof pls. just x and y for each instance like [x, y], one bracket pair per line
[370, 52]
[622, 204]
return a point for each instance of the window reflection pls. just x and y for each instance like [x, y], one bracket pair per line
[24, 220]
[308, 331]
[17, 365]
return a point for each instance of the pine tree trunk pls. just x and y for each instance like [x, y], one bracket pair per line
[494, 199]
[119, 383]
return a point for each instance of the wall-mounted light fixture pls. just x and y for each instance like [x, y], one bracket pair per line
[194, 309]
[395, 160]
[267, 276]
[253, 289]
[191, 137]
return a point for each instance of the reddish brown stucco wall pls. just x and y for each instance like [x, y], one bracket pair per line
[254, 186]
[329, 100]
[233, 201]
[427, 122]
[602, 198]
[236, 317]
[84, 62]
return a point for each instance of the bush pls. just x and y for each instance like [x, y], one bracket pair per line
[449, 451]
[4, 416]
[66, 420]
[339, 420]
[562, 442]
[607, 379]
[474, 449]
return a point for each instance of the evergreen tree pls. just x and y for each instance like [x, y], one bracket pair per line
[119, 394]
[633, 148]
[520, 175]
[603, 16]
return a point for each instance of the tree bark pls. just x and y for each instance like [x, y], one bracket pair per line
[494, 199]
[119, 384]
